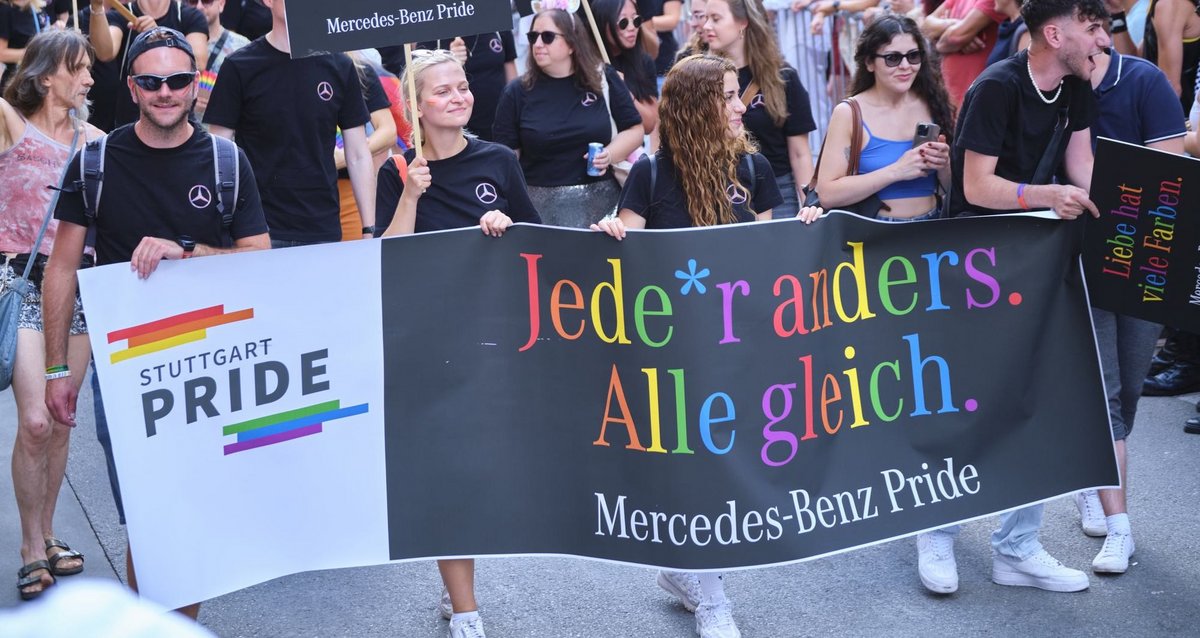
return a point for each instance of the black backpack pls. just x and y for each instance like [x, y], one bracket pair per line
[226, 176]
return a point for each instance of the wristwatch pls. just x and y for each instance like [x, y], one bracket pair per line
[368, 230]
[188, 245]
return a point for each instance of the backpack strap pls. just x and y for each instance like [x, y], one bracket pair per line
[225, 163]
[653, 157]
[91, 174]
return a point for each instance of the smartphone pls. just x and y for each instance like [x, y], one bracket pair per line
[926, 132]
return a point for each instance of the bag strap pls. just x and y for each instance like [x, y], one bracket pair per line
[747, 96]
[608, 103]
[812, 184]
[1045, 165]
[220, 44]
[37, 244]
[855, 137]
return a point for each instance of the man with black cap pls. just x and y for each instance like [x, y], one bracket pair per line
[285, 112]
[161, 201]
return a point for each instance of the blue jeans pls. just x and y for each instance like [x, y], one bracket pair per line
[791, 201]
[1017, 536]
[106, 443]
[933, 214]
[1126, 346]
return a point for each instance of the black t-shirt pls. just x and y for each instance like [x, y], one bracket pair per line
[286, 113]
[483, 177]
[487, 55]
[186, 21]
[1003, 117]
[553, 123]
[772, 140]
[148, 192]
[668, 46]
[666, 206]
[18, 25]
[639, 74]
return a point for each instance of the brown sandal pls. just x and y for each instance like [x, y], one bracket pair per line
[58, 557]
[25, 578]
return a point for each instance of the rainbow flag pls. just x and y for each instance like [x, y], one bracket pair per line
[207, 80]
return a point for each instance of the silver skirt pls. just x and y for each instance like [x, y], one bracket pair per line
[577, 206]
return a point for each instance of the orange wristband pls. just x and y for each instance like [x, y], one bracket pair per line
[1021, 197]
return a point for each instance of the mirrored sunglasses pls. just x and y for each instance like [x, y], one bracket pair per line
[175, 81]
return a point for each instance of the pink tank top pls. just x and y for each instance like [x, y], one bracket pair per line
[26, 170]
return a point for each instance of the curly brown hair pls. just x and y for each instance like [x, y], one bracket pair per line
[695, 132]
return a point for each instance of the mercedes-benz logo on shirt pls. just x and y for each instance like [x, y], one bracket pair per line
[589, 99]
[199, 196]
[757, 101]
[735, 196]
[486, 193]
[495, 45]
[325, 91]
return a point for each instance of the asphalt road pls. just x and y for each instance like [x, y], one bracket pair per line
[870, 592]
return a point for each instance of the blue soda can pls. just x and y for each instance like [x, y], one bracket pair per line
[593, 149]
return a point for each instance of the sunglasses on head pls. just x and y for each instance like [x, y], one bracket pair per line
[914, 57]
[175, 81]
[546, 36]
[624, 23]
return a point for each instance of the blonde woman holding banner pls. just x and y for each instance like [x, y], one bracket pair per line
[458, 181]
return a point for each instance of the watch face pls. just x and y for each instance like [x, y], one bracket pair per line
[187, 243]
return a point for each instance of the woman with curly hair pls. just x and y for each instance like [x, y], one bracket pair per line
[705, 173]
[778, 115]
[897, 88]
[551, 114]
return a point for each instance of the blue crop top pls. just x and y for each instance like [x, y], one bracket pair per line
[880, 153]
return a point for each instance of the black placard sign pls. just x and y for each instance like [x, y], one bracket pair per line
[749, 395]
[1142, 257]
[319, 26]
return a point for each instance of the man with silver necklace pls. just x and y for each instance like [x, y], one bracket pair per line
[1023, 143]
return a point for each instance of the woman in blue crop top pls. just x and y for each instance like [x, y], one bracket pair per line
[897, 88]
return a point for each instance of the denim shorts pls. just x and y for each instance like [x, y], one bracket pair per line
[31, 306]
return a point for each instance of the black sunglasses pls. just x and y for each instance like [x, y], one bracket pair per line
[914, 57]
[546, 36]
[198, 2]
[175, 81]
[623, 23]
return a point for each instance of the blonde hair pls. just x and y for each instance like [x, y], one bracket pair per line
[695, 131]
[422, 61]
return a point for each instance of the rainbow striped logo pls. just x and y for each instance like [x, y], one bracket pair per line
[169, 332]
[285, 426]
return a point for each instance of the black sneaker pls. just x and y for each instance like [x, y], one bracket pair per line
[1192, 425]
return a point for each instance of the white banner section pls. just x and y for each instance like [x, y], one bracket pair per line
[244, 396]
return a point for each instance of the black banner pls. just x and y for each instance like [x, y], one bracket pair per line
[318, 26]
[1142, 257]
[747, 395]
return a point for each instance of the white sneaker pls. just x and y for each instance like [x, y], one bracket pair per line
[715, 620]
[467, 628]
[1091, 513]
[445, 608]
[683, 585]
[1114, 556]
[935, 562]
[1040, 570]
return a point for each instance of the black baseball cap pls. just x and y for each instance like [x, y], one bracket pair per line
[155, 38]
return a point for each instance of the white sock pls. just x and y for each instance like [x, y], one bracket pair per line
[1118, 524]
[712, 589]
[465, 616]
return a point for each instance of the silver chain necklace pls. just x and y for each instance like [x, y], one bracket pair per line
[1029, 67]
